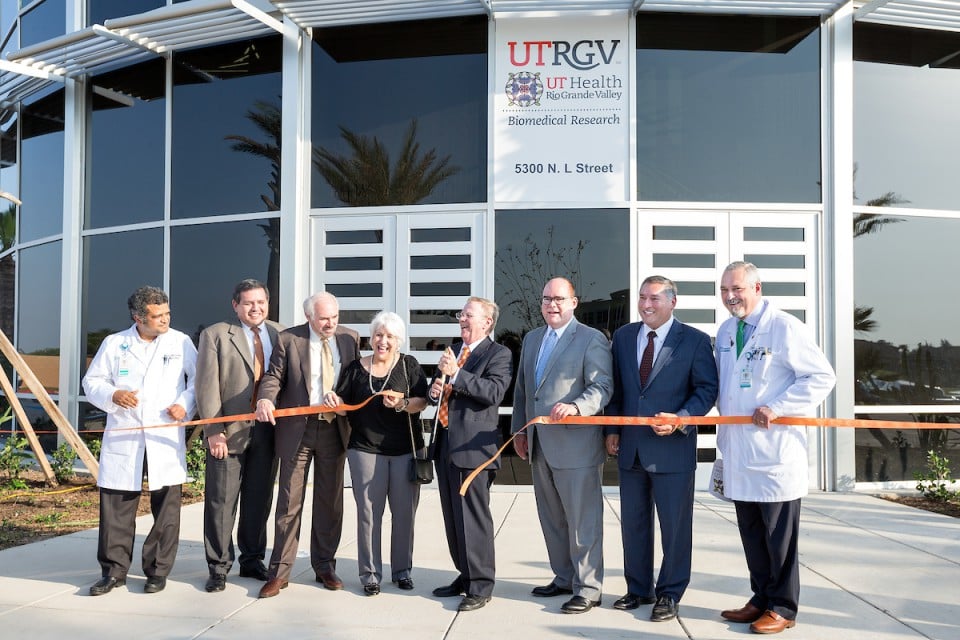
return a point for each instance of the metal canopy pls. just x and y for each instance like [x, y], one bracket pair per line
[751, 7]
[943, 15]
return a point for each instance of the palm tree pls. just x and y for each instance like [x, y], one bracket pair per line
[366, 177]
[8, 268]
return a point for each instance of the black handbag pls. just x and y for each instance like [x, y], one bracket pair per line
[421, 469]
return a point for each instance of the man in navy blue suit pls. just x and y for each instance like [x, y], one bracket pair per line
[661, 367]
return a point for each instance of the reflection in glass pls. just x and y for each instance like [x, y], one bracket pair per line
[126, 168]
[886, 455]
[38, 319]
[360, 142]
[728, 108]
[114, 266]
[41, 168]
[47, 20]
[207, 261]
[8, 282]
[100, 10]
[224, 97]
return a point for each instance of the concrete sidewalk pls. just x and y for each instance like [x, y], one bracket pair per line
[870, 569]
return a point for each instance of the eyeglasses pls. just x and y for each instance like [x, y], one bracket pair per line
[548, 300]
[460, 315]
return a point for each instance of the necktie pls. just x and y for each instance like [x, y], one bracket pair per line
[741, 329]
[326, 374]
[548, 344]
[258, 363]
[443, 413]
[646, 360]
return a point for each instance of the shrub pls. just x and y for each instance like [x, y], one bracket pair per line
[934, 483]
[63, 459]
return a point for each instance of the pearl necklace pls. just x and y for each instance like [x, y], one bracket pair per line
[385, 380]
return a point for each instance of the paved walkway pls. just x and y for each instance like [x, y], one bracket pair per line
[870, 569]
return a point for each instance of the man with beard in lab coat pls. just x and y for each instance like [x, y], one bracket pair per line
[142, 376]
[769, 366]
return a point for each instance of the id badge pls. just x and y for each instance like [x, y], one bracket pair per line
[746, 378]
[123, 373]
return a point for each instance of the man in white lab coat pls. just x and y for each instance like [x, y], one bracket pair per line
[140, 377]
[769, 366]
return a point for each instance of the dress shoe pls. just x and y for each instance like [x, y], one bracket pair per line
[579, 604]
[632, 601]
[449, 591]
[472, 603]
[550, 590]
[665, 609]
[771, 622]
[331, 580]
[371, 589]
[155, 584]
[257, 571]
[106, 585]
[405, 583]
[273, 587]
[747, 613]
[216, 582]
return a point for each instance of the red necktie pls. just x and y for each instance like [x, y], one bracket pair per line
[646, 360]
[443, 412]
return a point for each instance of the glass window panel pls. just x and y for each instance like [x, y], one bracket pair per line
[661, 232]
[355, 316]
[359, 290]
[432, 343]
[12, 42]
[361, 236]
[440, 288]
[685, 260]
[773, 234]
[208, 260]
[784, 289]
[126, 167]
[100, 10]
[364, 263]
[431, 316]
[227, 129]
[47, 20]
[728, 108]
[688, 288]
[41, 168]
[906, 85]
[439, 262]
[459, 234]
[114, 266]
[770, 261]
[884, 455]
[435, 74]
[38, 321]
[696, 316]
[799, 314]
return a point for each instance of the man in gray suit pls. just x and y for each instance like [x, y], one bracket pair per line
[240, 467]
[306, 363]
[566, 369]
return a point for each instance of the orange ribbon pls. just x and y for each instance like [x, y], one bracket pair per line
[620, 421]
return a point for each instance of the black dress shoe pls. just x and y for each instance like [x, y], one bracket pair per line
[550, 590]
[155, 584]
[216, 582]
[665, 609]
[257, 571]
[106, 585]
[371, 589]
[579, 604]
[472, 603]
[405, 583]
[449, 591]
[330, 580]
[632, 601]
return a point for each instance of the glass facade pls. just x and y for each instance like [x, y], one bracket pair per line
[41, 168]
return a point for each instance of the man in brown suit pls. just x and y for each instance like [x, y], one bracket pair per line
[241, 467]
[306, 363]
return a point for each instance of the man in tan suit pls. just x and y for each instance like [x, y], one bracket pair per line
[241, 467]
[306, 363]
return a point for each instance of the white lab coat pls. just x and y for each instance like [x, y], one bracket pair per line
[124, 362]
[780, 367]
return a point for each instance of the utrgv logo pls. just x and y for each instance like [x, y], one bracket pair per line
[580, 55]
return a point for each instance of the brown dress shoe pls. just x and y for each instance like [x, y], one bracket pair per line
[747, 613]
[771, 622]
[330, 580]
[273, 587]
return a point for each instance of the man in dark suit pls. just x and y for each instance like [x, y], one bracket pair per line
[306, 363]
[565, 370]
[661, 367]
[469, 391]
[240, 467]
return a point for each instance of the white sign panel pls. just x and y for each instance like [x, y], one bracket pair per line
[560, 125]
